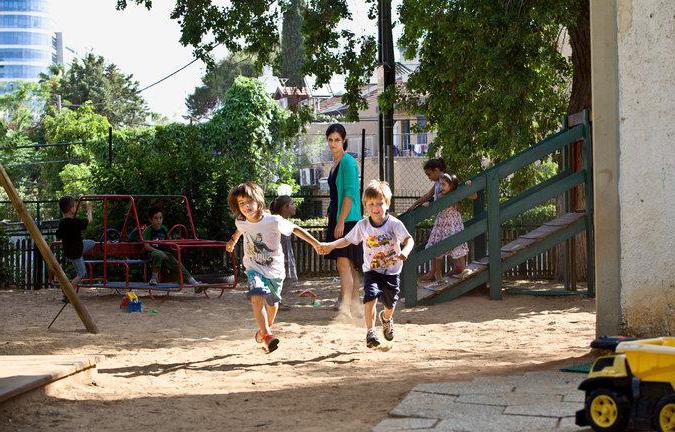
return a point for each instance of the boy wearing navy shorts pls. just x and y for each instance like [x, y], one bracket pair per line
[386, 244]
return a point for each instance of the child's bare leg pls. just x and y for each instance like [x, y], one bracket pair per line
[458, 265]
[388, 313]
[356, 283]
[271, 313]
[437, 267]
[344, 267]
[260, 313]
[431, 274]
[369, 310]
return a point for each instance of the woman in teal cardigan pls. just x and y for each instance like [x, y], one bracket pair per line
[344, 211]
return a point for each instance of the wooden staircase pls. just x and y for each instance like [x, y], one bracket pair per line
[526, 245]
[489, 213]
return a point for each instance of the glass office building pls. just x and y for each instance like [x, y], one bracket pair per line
[27, 41]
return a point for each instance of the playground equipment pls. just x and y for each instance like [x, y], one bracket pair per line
[125, 248]
[491, 257]
[636, 385]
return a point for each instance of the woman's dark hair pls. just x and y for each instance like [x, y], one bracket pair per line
[337, 127]
[437, 163]
[279, 203]
[450, 179]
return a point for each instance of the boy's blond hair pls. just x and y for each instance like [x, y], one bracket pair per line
[377, 189]
[247, 190]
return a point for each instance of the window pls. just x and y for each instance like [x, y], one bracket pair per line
[23, 38]
[21, 71]
[24, 5]
[24, 21]
[27, 54]
[421, 128]
[405, 134]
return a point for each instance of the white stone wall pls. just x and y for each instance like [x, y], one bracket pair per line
[646, 75]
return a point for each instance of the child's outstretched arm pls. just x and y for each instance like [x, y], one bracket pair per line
[325, 248]
[306, 236]
[229, 245]
[473, 196]
[421, 200]
[87, 206]
[408, 245]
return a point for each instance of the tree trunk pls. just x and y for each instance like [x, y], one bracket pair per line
[580, 99]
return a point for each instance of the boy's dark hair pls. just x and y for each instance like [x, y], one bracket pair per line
[279, 203]
[450, 179]
[437, 163]
[65, 203]
[153, 211]
[337, 127]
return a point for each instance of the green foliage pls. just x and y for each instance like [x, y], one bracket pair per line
[532, 218]
[217, 80]
[112, 93]
[249, 138]
[251, 27]
[292, 55]
[491, 80]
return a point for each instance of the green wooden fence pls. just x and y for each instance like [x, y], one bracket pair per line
[489, 213]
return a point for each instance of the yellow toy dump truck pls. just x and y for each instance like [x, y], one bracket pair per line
[635, 387]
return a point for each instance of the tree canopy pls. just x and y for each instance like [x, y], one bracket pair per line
[491, 78]
[215, 83]
[112, 93]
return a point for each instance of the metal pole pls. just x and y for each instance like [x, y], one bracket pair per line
[110, 149]
[363, 161]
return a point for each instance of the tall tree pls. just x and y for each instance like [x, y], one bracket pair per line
[292, 55]
[112, 93]
[215, 83]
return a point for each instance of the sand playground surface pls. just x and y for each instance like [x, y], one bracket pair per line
[194, 365]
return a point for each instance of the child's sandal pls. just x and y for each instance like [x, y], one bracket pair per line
[258, 337]
[271, 342]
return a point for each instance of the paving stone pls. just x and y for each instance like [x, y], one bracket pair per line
[497, 423]
[506, 379]
[403, 424]
[577, 396]
[556, 377]
[556, 409]
[509, 398]
[437, 406]
[567, 425]
[464, 387]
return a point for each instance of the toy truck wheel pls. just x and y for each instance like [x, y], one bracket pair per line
[664, 414]
[607, 410]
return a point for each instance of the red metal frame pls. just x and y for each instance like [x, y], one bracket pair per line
[126, 247]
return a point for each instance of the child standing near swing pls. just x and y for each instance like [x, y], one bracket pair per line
[263, 255]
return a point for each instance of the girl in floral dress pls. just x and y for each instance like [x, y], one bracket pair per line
[449, 222]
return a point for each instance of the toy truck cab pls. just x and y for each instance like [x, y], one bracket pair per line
[634, 387]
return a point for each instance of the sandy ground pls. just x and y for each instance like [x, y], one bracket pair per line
[194, 365]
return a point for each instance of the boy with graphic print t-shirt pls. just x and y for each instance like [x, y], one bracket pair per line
[382, 236]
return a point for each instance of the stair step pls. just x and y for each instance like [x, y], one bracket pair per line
[430, 289]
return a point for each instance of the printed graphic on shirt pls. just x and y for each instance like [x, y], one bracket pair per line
[378, 240]
[258, 251]
[384, 259]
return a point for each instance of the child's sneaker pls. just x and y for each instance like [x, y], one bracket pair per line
[387, 326]
[271, 342]
[152, 281]
[371, 339]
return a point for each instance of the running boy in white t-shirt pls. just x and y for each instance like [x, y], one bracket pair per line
[382, 236]
[263, 255]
